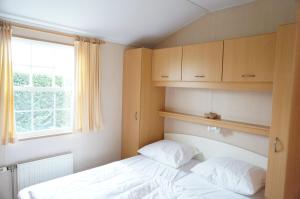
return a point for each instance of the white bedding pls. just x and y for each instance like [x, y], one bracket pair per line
[194, 187]
[134, 178]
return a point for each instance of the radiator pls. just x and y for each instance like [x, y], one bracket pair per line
[34, 172]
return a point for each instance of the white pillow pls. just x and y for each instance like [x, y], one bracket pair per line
[231, 174]
[169, 152]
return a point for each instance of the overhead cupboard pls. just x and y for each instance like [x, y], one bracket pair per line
[239, 64]
[228, 64]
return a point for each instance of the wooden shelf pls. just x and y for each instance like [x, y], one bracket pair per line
[251, 86]
[237, 126]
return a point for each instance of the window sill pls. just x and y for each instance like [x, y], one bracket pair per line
[38, 135]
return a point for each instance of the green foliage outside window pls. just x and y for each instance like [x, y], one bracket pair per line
[35, 109]
[59, 81]
[23, 121]
[21, 79]
[39, 80]
[42, 120]
[22, 100]
[62, 118]
[43, 100]
[63, 100]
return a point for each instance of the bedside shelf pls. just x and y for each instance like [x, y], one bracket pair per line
[238, 86]
[237, 126]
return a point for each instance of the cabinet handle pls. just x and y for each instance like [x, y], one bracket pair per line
[135, 116]
[248, 75]
[164, 76]
[199, 76]
[277, 143]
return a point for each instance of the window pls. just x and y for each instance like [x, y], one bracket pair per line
[43, 75]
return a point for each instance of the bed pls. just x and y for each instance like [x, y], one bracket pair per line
[140, 177]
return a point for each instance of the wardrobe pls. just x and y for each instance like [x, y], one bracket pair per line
[141, 124]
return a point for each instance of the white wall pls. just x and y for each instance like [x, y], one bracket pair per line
[90, 149]
[251, 107]
[259, 17]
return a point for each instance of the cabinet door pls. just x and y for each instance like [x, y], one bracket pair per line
[202, 62]
[131, 102]
[166, 64]
[281, 111]
[249, 59]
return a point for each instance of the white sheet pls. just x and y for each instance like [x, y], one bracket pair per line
[192, 186]
[134, 178]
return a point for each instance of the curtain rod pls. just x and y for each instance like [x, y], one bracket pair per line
[77, 37]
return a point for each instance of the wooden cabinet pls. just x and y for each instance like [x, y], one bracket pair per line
[166, 64]
[281, 110]
[249, 59]
[141, 123]
[202, 62]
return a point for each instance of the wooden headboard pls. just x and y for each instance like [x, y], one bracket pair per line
[210, 148]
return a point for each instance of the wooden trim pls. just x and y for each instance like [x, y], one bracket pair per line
[18, 25]
[237, 126]
[42, 40]
[217, 85]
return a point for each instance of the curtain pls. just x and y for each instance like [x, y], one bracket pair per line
[87, 110]
[6, 86]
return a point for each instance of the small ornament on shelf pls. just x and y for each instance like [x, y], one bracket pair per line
[212, 115]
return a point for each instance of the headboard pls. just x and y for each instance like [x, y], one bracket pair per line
[210, 148]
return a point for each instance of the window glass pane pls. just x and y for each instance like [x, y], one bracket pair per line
[23, 121]
[44, 82]
[43, 100]
[21, 53]
[42, 54]
[59, 81]
[22, 100]
[42, 120]
[63, 100]
[63, 118]
[39, 80]
[21, 79]
[60, 61]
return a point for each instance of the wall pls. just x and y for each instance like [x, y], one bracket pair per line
[90, 149]
[259, 17]
[262, 16]
[251, 107]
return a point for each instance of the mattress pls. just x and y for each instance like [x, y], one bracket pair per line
[134, 178]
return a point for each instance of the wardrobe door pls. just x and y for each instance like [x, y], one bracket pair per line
[249, 59]
[152, 100]
[202, 62]
[166, 64]
[281, 111]
[131, 102]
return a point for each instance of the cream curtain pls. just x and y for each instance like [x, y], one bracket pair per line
[6, 86]
[87, 110]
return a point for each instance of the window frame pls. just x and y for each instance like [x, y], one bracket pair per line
[53, 89]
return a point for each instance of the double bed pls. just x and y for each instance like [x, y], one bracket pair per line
[138, 177]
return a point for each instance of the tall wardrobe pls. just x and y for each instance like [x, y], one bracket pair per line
[141, 102]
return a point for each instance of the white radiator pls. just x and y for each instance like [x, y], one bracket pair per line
[34, 172]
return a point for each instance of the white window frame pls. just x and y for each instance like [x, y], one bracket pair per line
[48, 132]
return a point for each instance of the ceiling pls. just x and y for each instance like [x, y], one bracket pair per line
[130, 22]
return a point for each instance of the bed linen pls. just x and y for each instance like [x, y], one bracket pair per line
[134, 178]
[192, 186]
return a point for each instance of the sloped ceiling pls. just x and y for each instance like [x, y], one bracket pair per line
[129, 22]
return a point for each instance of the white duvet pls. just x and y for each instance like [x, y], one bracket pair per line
[133, 178]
